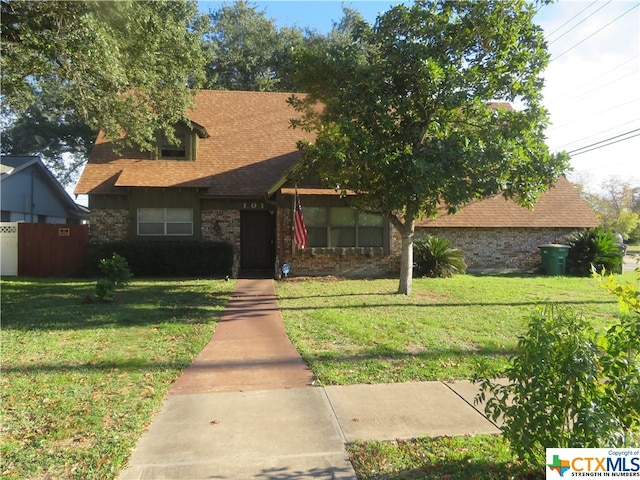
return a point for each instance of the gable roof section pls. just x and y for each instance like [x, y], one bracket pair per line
[13, 165]
[250, 145]
[560, 206]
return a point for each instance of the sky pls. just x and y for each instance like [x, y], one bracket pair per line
[592, 83]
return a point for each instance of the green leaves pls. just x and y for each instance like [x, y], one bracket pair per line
[123, 67]
[554, 395]
[413, 106]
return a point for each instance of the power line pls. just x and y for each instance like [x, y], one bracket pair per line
[605, 143]
[563, 147]
[577, 14]
[563, 100]
[582, 119]
[594, 33]
[577, 24]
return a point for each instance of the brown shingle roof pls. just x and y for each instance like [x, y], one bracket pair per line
[250, 146]
[560, 206]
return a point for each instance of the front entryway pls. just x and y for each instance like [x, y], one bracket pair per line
[257, 241]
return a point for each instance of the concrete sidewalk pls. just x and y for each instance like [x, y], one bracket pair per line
[246, 408]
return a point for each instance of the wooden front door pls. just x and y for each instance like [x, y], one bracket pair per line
[257, 241]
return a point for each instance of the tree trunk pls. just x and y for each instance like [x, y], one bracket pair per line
[406, 258]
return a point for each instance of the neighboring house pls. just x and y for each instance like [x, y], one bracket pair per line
[31, 194]
[227, 180]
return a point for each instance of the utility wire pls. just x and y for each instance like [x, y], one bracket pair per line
[617, 127]
[577, 24]
[564, 100]
[594, 33]
[577, 14]
[581, 119]
[605, 143]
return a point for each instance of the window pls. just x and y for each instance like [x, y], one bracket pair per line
[176, 150]
[165, 221]
[343, 227]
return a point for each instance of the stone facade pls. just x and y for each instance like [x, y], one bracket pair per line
[499, 248]
[223, 226]
[108, 225]
[346, 262]
[485, 248]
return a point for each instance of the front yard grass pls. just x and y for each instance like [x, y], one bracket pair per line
[360, 331]
[81, 380]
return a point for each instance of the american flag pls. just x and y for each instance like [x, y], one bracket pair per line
[300, 237]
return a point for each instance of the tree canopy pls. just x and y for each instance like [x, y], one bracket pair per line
[121, 67]
[414, 117]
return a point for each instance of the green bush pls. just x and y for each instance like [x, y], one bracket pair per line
[167, 259]
[554, 395]
[593, 247]
[116, 275]
[436, 257]
[621, 359]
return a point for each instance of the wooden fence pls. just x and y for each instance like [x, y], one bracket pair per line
[51, 250]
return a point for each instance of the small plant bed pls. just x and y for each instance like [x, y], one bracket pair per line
[81, 380]
[360, 331]
[483, 457]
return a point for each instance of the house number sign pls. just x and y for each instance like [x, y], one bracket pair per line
[253, 205]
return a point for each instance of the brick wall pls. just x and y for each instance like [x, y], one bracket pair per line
[108, 225]
[346, 262]
[224, 226]
[499, 248]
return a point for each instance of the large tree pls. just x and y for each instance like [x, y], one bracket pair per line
[410, 121]
[248, 49]
[250, 52]
[123, 67]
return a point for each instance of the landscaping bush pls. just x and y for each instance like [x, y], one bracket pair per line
[553, 396]
[166, 259]
[595, 247]
[116, 275]
[436, 257]
[567, 386]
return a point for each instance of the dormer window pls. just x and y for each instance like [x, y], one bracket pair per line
[183, 147]
[173, 150]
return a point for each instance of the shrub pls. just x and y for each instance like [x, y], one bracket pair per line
[567, 386]
[593, 247]
[116, 275]
[167, 259]
[554, 395]
[436, 257]
[621, 358]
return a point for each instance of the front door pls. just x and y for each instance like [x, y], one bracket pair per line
[257, 241]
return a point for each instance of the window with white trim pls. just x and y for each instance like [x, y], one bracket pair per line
[343, 227]
[165, 221]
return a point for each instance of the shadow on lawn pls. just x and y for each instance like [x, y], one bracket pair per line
[68, 305]
[435, 304]
[426, 355]
[121, 365]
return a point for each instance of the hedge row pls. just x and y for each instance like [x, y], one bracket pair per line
[165, 259]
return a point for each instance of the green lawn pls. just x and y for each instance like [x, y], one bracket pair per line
[360, 331]
[81, 380]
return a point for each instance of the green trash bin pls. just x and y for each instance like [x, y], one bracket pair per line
[554, 258]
